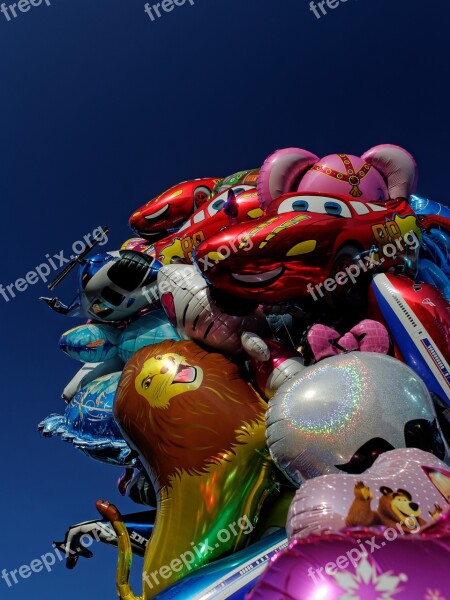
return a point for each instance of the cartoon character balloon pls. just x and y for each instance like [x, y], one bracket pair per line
[367, 336]
[168, 211]
[311, 245]
[383, 172]
[199, 429]
[249, 177]
[338, 415]
[235, 205]
[112, 287]
[271, 363]
[406, 487]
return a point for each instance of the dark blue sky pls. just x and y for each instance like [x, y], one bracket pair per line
[101, 109]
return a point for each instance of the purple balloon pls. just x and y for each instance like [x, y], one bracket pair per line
[358, 565]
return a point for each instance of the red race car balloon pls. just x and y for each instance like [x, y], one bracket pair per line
[169, 210]
[238, 204]
[303, 240]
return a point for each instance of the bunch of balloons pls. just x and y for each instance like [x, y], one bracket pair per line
[268, 363]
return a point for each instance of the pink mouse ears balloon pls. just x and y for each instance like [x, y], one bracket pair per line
[383, 172]
[397, 166]
[345, 174]
[405, 488]
[281, 173]
[361, 565]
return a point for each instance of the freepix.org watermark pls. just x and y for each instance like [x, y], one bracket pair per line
[319, 9]
[353, 271]
[243, 242]
[52, 264]
[183, 276]
[157, 10]
[47, 561]
[188, 558]
[12, 11]
[362, 551]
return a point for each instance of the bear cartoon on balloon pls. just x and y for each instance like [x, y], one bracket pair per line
[394, 507]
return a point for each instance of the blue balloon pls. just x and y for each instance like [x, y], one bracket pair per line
[90, 343]
[145, 331]
[424, 206]
[431, 273]
[88, 423]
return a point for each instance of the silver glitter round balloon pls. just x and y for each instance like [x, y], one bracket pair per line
[323, 419]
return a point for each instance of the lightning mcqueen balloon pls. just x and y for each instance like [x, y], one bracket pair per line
[238, 204]
[168, 211]
[303, 239]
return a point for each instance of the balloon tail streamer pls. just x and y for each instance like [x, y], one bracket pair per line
[110, 512]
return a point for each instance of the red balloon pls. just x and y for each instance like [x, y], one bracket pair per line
[170, 209]
[230, 207]
[305, 239]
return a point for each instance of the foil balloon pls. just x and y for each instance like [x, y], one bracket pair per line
[99, 342]
[199, 430]
[237, 204]
[366, 336]
[80, 537]
[270, 363]
[229, 578]
[139, 244]
[111, 287]
[168, 211]
[430, 273]
[359, 565]
[151, 328]
[281, 173]
[345, 174]
[338, 415]
[191, 309]
[309, 245]
[434, 264]
[383, 172]
[249, 177]
[91, 343]
[89, 425]
[87, 373]
[406, 488]
[418, 318]
[424, 206]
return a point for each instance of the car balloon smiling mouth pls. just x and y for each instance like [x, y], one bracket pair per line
[256, 279]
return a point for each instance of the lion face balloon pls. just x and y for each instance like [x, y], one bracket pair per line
[199, 429]
[164, 376]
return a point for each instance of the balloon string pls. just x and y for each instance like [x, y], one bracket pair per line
[287, 331]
